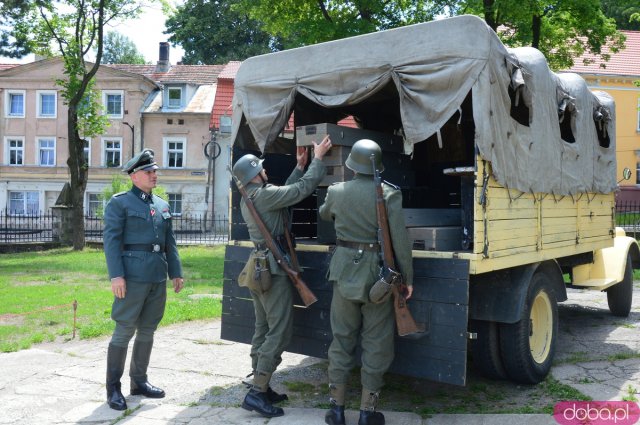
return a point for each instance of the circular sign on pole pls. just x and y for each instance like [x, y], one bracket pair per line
[212, 150]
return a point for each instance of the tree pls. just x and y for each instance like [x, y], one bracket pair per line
[210, 32]
[72, 28]
[561, 29]
[302, 23]
[122, 184]
[119, 48]
[13, 44]
[625, 12]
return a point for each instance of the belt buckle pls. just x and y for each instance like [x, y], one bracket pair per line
[156, 247]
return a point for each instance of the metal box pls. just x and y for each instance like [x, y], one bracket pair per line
[444, 238]
[346, 136]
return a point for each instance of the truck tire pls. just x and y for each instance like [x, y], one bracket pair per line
[620, 295]
[527, 347]
[485, 350]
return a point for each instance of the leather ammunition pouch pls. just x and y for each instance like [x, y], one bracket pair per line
[256, 275]
[381, 290]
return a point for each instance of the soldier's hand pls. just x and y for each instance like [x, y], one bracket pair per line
[302, 157]
[119, 287]
[178, 283]
[319, 149]
[409, 292]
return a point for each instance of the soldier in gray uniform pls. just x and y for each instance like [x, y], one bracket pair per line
[273, 308]
[354, 268]
[140, 250]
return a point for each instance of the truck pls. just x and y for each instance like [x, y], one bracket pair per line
[508, 175]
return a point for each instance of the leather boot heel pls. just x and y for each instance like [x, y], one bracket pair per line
[259, 402]
[335, 416]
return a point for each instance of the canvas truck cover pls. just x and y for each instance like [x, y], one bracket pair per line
[433, 66]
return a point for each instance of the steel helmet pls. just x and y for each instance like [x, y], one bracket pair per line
[247, 167]
[359, 159]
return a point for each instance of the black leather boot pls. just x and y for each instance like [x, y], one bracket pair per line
[370, 417]
[258, 401]
[368, 404]
[274, 397]
[138, 371]
[335, 415]
[116, 357]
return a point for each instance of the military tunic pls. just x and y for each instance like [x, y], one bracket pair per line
[355, 271]
[133, 223]
[274, 308]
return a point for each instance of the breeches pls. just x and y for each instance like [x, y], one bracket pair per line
[375, 325]
[139, 312]
[274, 324]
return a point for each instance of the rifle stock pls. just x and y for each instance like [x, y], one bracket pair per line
[404, 320]
[306, 295]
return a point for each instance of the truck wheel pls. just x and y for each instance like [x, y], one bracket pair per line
[485, 350]
[528, 346]
[620, 295]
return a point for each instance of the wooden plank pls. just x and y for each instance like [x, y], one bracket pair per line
[440, 290]
[423, 217]
[441, 268]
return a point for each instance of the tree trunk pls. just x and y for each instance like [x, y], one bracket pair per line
[78, 174]
[489, 15]
[536, 24]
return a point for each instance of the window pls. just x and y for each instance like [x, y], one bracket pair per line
[47, 151]
[47, 107]
[174, 153]
[175, 97]
[175, 203]
[87, 151]
[14, 103]
[112, 152]
[15, 151]
[112, 102]
[638, 129]
[637, 172]
[23, 203]
[94, 204]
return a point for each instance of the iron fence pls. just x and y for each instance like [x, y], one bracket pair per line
[628, 217]
[189, 229]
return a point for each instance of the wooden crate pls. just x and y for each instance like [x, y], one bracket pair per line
[346, 136]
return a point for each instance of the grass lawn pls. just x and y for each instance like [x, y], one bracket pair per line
[38, 290]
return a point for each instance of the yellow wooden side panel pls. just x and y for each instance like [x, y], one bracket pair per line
[513, 228]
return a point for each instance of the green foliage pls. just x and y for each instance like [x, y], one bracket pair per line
[119, 48]
[625, 12]
[301, 23]
[34, 307]
[224, 35]
[14, 41]
[119, 184]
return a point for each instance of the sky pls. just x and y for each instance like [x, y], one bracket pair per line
[145, 32]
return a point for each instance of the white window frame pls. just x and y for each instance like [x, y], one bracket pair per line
[173, 201]
[97, 202]
[105, 96]
[169, 151]
[105, 150]
[87, 150]
[25, 201]
[169, 90]
[39, 150]
[8, 149]
[7, 103]
[39, 94]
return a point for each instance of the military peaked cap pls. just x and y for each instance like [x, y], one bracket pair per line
[142, 161]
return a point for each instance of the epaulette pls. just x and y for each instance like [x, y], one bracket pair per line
[391, 184]
[120, 193]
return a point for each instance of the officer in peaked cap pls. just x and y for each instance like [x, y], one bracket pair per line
[141, 251]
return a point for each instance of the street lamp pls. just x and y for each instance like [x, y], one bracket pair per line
[133, 137]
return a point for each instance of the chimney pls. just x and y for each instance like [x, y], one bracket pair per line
[163, 63]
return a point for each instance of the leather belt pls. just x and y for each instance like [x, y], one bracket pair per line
[361, 246]
[147, 247]
[279, 240]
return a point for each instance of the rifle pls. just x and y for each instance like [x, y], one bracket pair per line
[307, 296]
[389, 276]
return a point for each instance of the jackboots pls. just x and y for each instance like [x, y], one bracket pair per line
[335, 415]
[138, 371]
[273, 396]
[257, 398]
[116, 357]
[368, 403]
